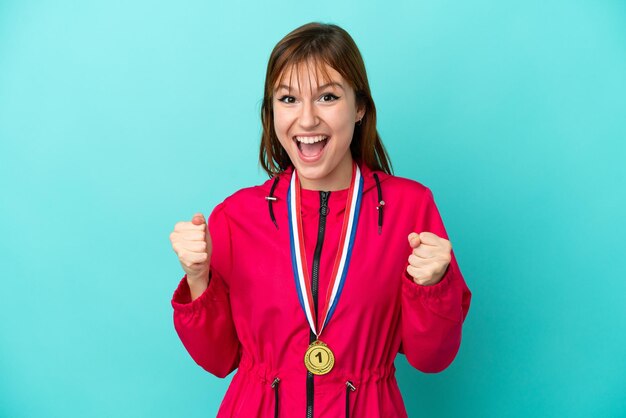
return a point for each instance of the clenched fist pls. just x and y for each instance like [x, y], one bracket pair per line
[191, 241]
[430, 258]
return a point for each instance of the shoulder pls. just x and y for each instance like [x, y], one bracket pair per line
[246, 200]
[397, 187]
[406, 185]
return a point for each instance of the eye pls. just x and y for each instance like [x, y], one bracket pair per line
[329, 97]
[287, 99]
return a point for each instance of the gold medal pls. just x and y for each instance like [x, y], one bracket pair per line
[318, 358]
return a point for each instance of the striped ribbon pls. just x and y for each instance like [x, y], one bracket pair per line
[342, 259]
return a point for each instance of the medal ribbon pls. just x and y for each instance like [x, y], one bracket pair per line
[342, 260]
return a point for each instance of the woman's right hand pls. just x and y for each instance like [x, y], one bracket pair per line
[191, 241]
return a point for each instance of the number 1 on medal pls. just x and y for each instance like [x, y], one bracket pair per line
[325, 358]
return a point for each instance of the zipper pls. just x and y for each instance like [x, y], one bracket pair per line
[314, 290]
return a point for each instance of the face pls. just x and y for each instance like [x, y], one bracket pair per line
[314, 123]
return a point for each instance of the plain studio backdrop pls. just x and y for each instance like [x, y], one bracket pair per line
[120, 118]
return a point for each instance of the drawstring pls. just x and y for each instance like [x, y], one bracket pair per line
[349, 388]
[381, 204]
[275, 387]
[271, 199]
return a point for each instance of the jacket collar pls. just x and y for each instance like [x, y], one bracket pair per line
[279, 185]
[369, 182]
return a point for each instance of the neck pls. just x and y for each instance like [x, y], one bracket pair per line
[338, 179]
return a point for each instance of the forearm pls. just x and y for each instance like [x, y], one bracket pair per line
[197, 285]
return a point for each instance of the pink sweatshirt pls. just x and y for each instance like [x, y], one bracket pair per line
[250, 319]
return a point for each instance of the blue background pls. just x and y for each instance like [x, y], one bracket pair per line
[118, 119]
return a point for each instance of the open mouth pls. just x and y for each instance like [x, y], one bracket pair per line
[311, 146]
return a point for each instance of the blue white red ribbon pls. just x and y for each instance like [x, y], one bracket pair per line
[342, 260]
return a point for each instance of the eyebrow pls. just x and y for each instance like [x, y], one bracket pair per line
[322, 87]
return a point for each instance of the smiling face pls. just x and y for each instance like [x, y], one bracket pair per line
[314, 123]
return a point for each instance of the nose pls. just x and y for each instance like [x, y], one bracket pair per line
[308, 115]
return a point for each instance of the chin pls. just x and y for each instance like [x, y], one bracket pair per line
[316, 172]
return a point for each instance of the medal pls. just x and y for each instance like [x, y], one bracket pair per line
[319, 359]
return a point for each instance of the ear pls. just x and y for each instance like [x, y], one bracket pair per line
[360, 112]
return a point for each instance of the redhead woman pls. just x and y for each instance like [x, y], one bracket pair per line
[311, 283]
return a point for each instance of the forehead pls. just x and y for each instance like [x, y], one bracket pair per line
[308, 74]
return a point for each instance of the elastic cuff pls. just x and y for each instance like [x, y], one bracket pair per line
[181, 301]
[443, 298]
[415, 290]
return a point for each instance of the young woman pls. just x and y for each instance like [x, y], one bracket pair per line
[311, 283]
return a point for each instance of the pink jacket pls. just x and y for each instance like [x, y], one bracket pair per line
[250, 319]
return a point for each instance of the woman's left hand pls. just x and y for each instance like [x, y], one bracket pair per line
[430, 258]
